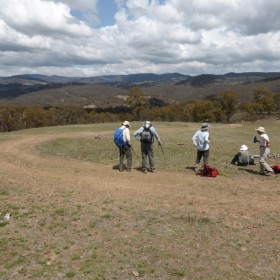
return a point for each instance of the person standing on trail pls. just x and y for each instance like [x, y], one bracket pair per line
[201, 140]
[265, 169]
[146, 134]
[122, 140]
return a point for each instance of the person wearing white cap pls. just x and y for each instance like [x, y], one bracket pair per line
[265, 169]
[125, 150]
[243, 157]
[146, 134]
[201, 140]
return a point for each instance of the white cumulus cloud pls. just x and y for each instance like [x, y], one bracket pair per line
[186, 36]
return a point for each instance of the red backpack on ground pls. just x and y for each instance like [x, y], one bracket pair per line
[276, 168]
[208, 171]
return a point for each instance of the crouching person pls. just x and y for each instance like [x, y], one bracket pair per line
[243, 157]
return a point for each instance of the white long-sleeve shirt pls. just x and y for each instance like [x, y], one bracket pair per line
[201, 139]
[126, 134]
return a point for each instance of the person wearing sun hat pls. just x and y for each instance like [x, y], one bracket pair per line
[146, 135]
[265, 169]
[125, 151]
[243, 157]
[201, 140]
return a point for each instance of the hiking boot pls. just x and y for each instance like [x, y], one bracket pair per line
[145, 171]
[269, 173]
[121, 170]
[153, 170]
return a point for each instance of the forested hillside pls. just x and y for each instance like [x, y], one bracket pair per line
[212, 98]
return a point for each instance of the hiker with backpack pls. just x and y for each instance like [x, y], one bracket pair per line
[201, 140]
[265, 169]
[243, 157]
[146, 134]
[123, 142]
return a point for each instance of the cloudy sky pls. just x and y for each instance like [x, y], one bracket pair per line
[104, 37]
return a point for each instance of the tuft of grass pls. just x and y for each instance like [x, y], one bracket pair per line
[3, 223]
[194, 219]
[106, 216]
[75, 257]
[180, 272]
[92, 224]
[70, 274]
[60, 212]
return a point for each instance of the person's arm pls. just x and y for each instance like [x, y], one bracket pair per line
[137, 133]
[155, 134]
[207, 138]
[126, 135]
[267, 142]
[194, 139]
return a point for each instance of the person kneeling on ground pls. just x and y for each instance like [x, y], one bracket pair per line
[243, 157]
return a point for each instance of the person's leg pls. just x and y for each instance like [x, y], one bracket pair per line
[129, 158]
[198, 156]
[205, 157]
[121, 167]
[198, 159]
[144, 154]
[235, 158]
[263, 164]
[151, 156]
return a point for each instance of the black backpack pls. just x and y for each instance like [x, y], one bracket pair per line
[147, 135]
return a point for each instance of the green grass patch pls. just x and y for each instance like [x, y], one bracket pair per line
[179, 153]
[3, 223]
[70, 274]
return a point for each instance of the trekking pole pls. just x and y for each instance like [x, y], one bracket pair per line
[162, 151]
[136, 155]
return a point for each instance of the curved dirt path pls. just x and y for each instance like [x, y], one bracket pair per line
[43, 186]
[22, 163]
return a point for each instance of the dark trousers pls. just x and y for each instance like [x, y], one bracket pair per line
[125, 151]
[147, 150]
[200, 154]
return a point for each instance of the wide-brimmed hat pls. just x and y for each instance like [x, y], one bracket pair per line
[260, 129]
[126, 123]
[243, 148]
[147, 124]
[204, 126]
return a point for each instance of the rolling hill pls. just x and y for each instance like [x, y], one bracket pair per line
[111, 90]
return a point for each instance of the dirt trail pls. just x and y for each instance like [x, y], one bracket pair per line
[57, 199]
[22, 163]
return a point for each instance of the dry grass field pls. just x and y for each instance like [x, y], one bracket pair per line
[74, 215]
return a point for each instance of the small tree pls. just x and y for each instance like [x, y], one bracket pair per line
[264, 98]
[228, 101]
[251, 108]
[276, 98]
[137, 101]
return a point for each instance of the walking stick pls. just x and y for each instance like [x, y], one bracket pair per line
[136, 155]
[162, 151]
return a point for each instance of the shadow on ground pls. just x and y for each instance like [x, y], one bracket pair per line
[249, 171]
[191, 168]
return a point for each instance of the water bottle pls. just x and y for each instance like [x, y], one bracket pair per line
[255, 139]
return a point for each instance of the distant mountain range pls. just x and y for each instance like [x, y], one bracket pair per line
[109, 90]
